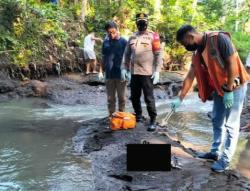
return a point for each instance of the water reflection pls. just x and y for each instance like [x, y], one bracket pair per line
[35, 150]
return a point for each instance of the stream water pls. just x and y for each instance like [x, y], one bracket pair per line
[36, 142]
[36, 147]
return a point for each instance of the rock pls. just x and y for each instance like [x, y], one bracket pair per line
[93, 80]
[170, 77]
[7, 86]
[43, 105]
[3, 75]
[173, 89]
[123, 177]
[25, 71]
[39, 88]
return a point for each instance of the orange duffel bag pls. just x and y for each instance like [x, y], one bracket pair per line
[122, 120]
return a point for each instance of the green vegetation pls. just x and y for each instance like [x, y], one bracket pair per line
[33, 29]
[242, 42]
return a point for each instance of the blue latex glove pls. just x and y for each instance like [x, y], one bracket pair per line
[155, 77]
[175, 104]
[228, 99]
[125, 75]
[129, 76]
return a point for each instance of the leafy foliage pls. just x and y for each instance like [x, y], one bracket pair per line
[30, 29]
[242, 43]
[29, 26]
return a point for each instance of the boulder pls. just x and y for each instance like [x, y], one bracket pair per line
[6, 86]
[39, 88]
[170, 77]
[93, 80]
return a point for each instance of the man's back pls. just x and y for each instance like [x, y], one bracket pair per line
[88, 42]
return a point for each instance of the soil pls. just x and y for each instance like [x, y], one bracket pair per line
[107, 151]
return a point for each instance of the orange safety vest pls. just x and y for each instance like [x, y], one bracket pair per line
[214, 68]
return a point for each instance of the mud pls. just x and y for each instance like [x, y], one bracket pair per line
[107, 151]
[75, 88]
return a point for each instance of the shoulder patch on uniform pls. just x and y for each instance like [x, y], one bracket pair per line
[156, 42]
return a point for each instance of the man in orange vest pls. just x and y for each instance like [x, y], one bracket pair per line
[222, 77]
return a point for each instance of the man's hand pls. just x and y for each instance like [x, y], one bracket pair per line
[128, 76]
[155, 77]
[228, 99]
[175, 104]
[125, 75]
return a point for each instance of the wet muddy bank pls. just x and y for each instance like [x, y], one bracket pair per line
[107, 151]
[75, 88]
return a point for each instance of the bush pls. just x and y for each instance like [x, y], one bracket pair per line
[32, 30]
[242, 43]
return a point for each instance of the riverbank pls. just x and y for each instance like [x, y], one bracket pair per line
[107, 151]
[75, 88]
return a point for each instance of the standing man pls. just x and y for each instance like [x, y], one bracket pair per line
[89, 51]
[143, 58]
[112, 50]
[220, 75]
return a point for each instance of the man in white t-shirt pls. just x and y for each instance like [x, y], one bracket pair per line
[89, 52]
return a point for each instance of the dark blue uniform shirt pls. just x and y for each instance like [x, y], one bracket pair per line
[112, 51]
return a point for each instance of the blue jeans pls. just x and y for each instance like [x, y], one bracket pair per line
[226, 124]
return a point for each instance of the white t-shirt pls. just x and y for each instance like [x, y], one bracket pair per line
[88, 42]
[248, 61]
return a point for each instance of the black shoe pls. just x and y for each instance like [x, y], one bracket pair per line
[208, 156]
[138, 119]
[152, 127]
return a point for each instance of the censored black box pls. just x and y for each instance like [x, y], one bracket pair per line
[148, 157]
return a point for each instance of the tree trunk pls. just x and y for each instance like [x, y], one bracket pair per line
[84, 10]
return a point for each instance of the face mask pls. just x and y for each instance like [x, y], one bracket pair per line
[192, 47]
[142, 25]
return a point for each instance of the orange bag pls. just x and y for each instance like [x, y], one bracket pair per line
[122, 120]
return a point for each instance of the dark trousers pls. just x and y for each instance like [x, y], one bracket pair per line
[138, 84]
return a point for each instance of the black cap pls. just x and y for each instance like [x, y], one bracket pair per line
[141, 16]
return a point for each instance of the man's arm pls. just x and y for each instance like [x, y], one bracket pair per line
[187, 83]
[97, 39]
[230, 68]
[158, 52]
[227, 52]
[106, 47]
[158, 61]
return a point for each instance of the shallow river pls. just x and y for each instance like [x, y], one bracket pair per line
[36, 142]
